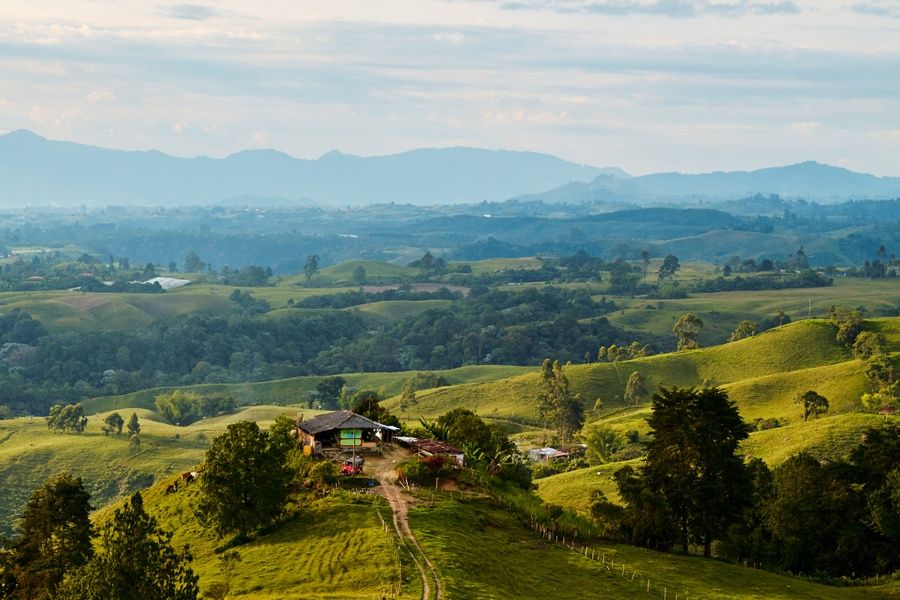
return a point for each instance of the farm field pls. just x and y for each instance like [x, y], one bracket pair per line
[483, 551]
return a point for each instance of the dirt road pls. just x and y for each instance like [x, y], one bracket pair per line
[384, 469]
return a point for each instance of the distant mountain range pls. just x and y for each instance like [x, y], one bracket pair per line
[37, 171]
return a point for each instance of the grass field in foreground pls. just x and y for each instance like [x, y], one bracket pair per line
[328, 549]
[483, 552]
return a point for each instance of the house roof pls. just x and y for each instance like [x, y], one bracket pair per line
[342, 419]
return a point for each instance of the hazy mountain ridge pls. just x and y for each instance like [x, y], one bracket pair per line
[37, 171]
[40, 171]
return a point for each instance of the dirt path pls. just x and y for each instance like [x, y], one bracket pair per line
[383, 469]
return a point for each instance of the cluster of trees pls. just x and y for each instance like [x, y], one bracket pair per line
[615, 353]
[66, 418]
[827, 518]
[54, 556]
[349, 299]
[183, 408]
[558, 406]
[835, 518]
[487, 448]
[693, 483]
[806, 278]
[882, 385]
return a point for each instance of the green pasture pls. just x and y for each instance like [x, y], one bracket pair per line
[801, 345]
[30, 453]
[326, 549]
[482, 551]
[295, 390]
[398, 310]
[722, 311]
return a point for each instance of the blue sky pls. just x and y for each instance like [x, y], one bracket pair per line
[648, 85]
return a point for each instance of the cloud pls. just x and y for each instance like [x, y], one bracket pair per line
[878, 9]
[675, 9]
[190, 12]
[804, 127]
[452, 37]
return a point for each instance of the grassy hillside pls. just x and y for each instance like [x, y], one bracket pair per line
[397, 310]
[327, 550]
[377, 273]
[30, 453]
[721, 312]
[801, 345]
[827, 438]
[294, 390]
[484, 552]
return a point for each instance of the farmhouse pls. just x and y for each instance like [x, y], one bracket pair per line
[344, 430]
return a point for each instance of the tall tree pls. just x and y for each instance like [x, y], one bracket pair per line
[311, 268]
[692, 476]
[134, 425]
[813, 404]
[244, 483]
[668, 267]
[745, 329]
[136, 562]
[113, 423]
[687, 329]
[556, 402]
[359, 275]
[193, 263]
[56, 536]
[635, 389]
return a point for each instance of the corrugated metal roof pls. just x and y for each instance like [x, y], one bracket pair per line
[342, 419]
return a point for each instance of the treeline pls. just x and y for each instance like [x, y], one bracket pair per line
[805, 279]
[348, 299]
[828, 519]
[42, 368]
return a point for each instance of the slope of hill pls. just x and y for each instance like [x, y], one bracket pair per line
[295, 390]
[40, 171]
[801, 345]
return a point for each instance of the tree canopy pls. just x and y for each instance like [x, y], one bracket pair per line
[244, 482]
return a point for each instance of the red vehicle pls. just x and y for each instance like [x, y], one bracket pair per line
[353, 466]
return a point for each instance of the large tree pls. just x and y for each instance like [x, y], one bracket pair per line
[669, 266]
[311, 268]
[136, 562]
[55, 537]
[244, 483]
[557, 405]
[692, 476]
[813, 404]
[687, 329]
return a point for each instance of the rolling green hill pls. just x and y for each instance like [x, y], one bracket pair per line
[294, 390]
[30, 453]
[794, 347]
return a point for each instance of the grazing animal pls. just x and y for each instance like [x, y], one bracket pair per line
[190, 476]
[172, 488]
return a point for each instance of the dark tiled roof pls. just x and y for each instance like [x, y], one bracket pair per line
[343, 419]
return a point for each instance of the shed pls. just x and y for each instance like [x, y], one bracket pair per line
[343, 429]
[546, 454]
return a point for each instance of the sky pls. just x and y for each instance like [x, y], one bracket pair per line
[645, 85]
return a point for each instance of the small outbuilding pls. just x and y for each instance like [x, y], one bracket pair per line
[546, 454]
[343, 430]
